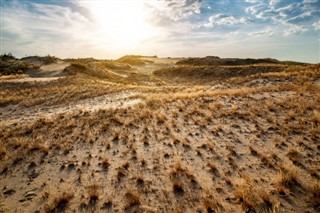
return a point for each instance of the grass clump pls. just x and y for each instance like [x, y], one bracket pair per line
[93, 193]
[251, 197]
[59, 203]
[133, 200]
[286, 179]
[314, 190]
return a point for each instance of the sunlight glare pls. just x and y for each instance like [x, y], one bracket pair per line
[122, 21]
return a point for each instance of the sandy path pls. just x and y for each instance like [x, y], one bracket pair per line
[15, 114]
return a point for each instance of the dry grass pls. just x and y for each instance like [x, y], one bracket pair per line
[59, 203]
[177, 188]
[182, 147]
[252, 197]
[253, 151]
[105, 164]
[213, 169]
[316, 118]
[179, 171]
[266, 161]
[286, 179]
[315, 195]
[93, 193]
[133, 199]
[212, 205]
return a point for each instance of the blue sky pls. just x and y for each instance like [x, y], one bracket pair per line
[282, 29]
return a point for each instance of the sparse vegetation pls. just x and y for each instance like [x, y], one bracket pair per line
[105, 164]
[133, 200]
[286, 179]
[59, 203]
[172, 140]
[315, 195]
[252, 197]
[93, 193]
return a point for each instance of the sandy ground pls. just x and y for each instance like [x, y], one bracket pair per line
[249, 147]
[14, 114]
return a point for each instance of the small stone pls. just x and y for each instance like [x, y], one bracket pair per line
[9, 192]
[30, 194]
[33, 175]
[22, 200]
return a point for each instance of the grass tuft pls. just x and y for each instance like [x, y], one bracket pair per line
[59, 203]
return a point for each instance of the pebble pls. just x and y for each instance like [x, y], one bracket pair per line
[9, 192]
[30, 194]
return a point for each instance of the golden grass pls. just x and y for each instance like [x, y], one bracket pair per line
[315, 195]
[316, 118]
[133, 199]
[286, 179]
[159, 139]
[93, 193]
[252, 197]
[59, 203]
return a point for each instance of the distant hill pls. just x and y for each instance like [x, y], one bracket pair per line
[135, 59]
[10, 65]
[206, 74]
[216, 61]
[40, 60]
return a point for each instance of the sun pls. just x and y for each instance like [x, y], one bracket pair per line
[121, 21]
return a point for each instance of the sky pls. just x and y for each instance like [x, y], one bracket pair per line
[109, 29]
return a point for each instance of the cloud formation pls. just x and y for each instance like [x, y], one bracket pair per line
[107, 29]
[316, 25]
[175, 10]
[222, 19]
[266, 32]
[293, 15]
[40, 26]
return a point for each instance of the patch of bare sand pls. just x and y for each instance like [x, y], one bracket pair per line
[59, 66]
[50, 72]
[14, 114]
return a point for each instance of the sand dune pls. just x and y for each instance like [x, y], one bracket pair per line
[160, 137]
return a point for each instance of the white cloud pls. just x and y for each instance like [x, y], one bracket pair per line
[175, 10]
[273, 3]
[222, 19]
[252, 1]
[316, 25]
[310, 1]
[43, 23]
[255, 9]
[233, 34]
[266, 33]
[286, 12]
[300, 18]
[295, 30]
